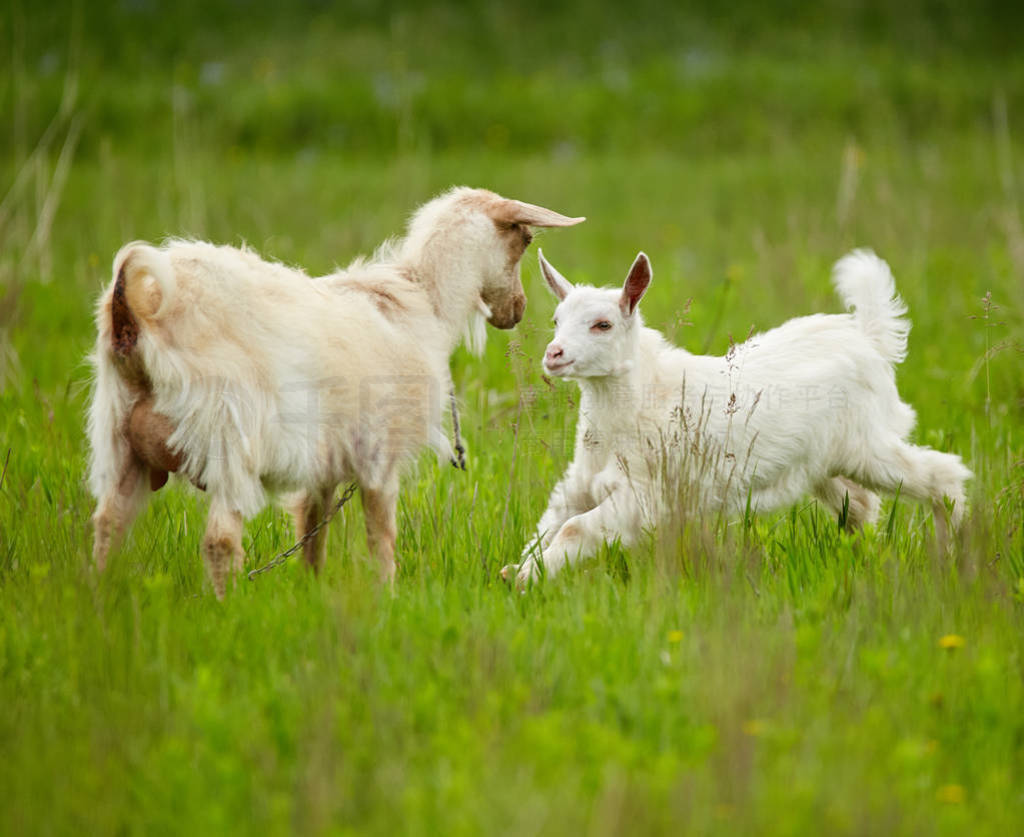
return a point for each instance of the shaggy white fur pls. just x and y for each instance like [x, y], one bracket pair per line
[808, 407]
[247, 376]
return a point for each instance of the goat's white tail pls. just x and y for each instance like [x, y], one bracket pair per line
[865, 284]
[143, 280]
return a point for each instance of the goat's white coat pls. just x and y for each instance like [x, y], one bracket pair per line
[808, 407]
[275, 381]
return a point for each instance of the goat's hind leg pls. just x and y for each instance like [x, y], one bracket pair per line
[841, 494]
[133, 459]
[924, 474]
[117, 508]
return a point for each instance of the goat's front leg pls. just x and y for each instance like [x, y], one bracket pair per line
[222, 544]
[380, 507]
[567, 500]
[617, 516]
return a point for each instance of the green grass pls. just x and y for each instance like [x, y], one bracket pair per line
[771, 675]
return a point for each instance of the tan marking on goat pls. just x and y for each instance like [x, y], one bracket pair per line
[569, 531]
[387, 303]
[516, 237]
[124, 326]
[147, 432]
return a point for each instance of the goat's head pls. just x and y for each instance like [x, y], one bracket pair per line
[595, 328]
[502, 292]
[486, 235]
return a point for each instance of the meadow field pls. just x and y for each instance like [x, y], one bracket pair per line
[768, 674]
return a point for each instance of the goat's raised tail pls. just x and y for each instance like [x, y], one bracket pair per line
[143, 283]
[865, 284]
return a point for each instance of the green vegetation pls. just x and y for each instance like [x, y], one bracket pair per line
[771, 675]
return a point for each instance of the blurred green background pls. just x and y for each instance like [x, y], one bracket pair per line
[384, 78]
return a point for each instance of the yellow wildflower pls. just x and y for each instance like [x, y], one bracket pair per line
[950, 794]
[951, 641]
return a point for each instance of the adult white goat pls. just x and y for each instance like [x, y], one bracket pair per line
[808, 407]
[248, 376]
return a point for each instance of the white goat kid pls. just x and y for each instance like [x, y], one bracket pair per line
[248, 376]
[808, 407]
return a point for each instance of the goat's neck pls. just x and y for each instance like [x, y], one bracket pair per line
[611, 400]
[452, 285]
[619, 399]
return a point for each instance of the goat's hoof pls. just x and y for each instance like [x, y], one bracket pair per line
[523, 574]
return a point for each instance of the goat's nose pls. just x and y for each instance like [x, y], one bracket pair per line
[554, 352]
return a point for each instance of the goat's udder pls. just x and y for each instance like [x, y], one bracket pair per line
[148, 432]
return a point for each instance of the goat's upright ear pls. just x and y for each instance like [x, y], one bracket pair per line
[507, 211]
[636, 284]
[560, 286]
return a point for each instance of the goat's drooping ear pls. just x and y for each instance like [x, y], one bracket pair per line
[516, 212]
[636, 284]
[560, 286]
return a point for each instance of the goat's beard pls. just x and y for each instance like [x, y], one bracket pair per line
[474, 335]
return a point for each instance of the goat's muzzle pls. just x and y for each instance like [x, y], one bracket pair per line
[508, 313]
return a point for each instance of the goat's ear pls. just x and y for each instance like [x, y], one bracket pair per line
[636, 284]
[507, 211]
[560, 286]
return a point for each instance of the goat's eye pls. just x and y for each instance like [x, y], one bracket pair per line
[602, 325]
